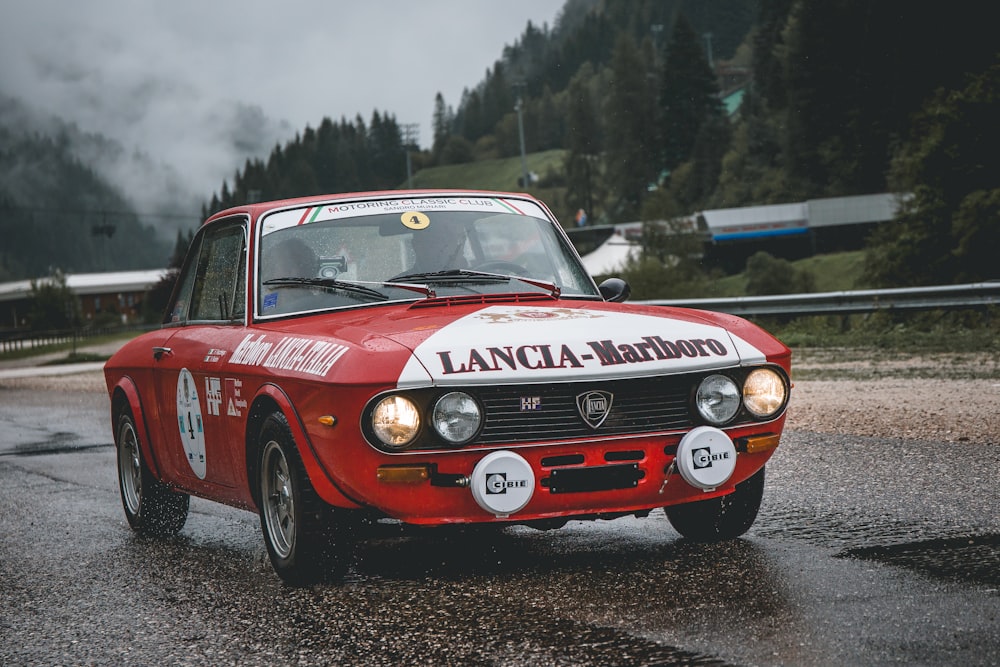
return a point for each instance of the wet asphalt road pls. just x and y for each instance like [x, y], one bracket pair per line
[867, 552]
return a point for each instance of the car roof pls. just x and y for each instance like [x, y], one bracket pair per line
[257, 209]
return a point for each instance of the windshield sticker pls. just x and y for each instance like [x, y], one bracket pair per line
[270, 301]
[415, 220]
[310, 214]
[353, 209]
[299, 355]
[509, 205]
[189, 422]
[557, 345]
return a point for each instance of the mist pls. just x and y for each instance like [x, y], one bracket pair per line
[187, 91]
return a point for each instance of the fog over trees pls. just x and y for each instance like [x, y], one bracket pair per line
[838, 98]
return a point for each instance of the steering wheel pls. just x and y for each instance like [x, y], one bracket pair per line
[500, 266]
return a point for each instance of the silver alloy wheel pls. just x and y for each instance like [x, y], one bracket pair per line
[130, 467]
[277, 500]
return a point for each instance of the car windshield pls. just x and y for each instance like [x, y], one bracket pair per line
[347, 254]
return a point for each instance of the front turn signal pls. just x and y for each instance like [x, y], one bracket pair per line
[756, 444]
[404, 474]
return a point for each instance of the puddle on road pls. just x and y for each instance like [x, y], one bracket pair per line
[972, 560]
[956, 555]
[62, 442]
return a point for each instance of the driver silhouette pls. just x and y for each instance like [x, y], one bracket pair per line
[438, 247]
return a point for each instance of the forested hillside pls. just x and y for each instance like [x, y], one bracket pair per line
[837, 98]
[57, 213]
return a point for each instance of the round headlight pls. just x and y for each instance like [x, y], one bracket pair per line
[764, 392]
[396, 421]
[457, 417]
[718, 399]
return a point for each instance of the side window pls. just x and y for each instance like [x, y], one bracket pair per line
[178, 311]
[239, 300]
[217, 277]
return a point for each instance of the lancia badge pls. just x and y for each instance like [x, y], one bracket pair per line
[594, 407]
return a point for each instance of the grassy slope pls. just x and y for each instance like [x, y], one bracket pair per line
[502, 175]
[833, 273]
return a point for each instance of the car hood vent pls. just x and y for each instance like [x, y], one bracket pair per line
[485, 299]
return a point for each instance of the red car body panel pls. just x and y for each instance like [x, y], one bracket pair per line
[198, 404]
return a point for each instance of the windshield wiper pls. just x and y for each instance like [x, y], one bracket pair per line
[467, 275]
[355, 286]
[326, 283]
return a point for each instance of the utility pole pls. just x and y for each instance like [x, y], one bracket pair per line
[708, 49]
[105, 229]
[410, 133]
[520, 132]
[657, 30]
[519, 107]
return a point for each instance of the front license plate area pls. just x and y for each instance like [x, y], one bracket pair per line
[595, 478]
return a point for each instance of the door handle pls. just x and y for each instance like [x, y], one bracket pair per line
[160, 352]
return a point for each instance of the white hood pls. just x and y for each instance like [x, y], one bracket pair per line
[525, 344]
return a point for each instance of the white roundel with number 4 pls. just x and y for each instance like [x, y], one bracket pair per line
[189, 421]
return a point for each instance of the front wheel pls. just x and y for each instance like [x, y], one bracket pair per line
[299, 529]
[151, 507]
[720, 518]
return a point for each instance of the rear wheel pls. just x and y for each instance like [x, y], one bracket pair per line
[151, 507]
[720, 518]
[303, 537]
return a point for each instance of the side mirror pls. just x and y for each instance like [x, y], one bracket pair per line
[615, 290]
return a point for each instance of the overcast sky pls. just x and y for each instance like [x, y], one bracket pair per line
[167, 76]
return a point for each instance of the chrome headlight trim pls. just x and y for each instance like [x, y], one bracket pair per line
[717, 399]
[457, 417]
[395, 421]
[765, 393]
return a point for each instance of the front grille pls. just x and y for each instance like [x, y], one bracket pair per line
[533, 413]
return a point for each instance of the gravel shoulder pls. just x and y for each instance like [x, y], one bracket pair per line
[945, 397]
[941, 397]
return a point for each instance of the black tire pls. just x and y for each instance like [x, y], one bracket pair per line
[304, 539]
[151, 507]
[720, 518]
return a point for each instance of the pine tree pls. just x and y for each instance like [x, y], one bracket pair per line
[689, 96]
[949, 228]
[53, 304]
[583, 146]
[470, 120]
[629, 122]
[442, 122]
[181, 246]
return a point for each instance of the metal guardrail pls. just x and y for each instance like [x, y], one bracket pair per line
[15, 340]
[943, 297]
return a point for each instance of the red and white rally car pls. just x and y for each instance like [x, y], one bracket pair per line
[433, 357]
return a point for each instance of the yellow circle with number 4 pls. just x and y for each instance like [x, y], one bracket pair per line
[415, 220]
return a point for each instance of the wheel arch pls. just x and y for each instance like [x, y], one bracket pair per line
[263, 406]
[125, 396]
[270, 399]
